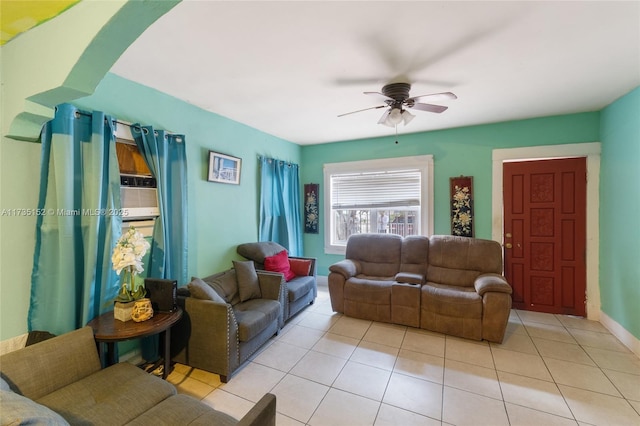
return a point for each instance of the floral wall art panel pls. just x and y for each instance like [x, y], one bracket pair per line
[461, 190]
[311, 215]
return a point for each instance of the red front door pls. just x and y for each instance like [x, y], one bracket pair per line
[545, 234]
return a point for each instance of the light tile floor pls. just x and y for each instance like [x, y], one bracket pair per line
[329, 369]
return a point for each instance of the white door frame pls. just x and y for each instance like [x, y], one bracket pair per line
[592, 152]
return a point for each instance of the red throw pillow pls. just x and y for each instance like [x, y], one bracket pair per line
[300, 267]
[279, 263]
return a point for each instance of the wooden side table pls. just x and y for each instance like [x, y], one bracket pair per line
[108, 331]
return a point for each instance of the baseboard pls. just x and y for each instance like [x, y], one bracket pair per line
[627, 339]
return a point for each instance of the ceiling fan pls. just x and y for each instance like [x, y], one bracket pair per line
[397, 100]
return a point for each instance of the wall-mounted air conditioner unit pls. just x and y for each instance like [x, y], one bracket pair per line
[139, 197]
[138, 192]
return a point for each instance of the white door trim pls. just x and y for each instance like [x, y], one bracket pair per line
[592, 152]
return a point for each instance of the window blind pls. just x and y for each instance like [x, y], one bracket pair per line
[384, 189]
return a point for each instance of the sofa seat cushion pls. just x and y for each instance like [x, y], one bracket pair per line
[369, 290]
[183, 410]
[255, 315]
[451, 301]
[299, 287]
[114, 395]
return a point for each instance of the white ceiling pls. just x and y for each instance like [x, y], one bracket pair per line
[289, 68]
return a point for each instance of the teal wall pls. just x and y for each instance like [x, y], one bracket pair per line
[221, 216]
[86, 39]
[462, 151]
[619, 212]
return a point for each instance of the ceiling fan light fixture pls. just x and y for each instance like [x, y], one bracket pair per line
[407, 117]
[394, 118]
[397, 98]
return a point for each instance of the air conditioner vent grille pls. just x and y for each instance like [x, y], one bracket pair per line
[139, 202]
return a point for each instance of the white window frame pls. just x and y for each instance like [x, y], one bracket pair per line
[424, 163]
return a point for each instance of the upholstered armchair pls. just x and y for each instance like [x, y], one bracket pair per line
[298, 273]
[227, 317]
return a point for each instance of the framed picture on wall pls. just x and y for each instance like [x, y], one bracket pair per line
[224, 168]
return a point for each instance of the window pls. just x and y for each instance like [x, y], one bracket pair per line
[391, 195]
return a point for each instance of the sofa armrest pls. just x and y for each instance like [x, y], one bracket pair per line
[271, 285]
[261, 414]
[347, 268]
[213, 336]
[492, 282]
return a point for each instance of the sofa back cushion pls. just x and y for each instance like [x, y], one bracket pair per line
[415, 254]
[201, 290]
[258, 251]
[226, 285]
[38, 370]
[248, 283]
[378, 254]
[459, 260]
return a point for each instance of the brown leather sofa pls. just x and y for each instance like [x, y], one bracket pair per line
[452, 285]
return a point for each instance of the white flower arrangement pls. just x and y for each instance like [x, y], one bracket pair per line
[127, 258]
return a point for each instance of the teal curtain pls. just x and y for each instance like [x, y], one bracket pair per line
[280, 217]
[77, 222]
[165, 155]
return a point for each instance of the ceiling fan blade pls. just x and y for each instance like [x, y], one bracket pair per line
[430, 108]
[435, 96]
[384, 116]
[360, 110]
[349, 81]
[378, 94]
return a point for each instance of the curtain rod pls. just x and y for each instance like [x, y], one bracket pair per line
[288, 163]
[115, 120]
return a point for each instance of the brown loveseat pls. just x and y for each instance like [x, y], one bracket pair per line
[452, 285]
[59, 382]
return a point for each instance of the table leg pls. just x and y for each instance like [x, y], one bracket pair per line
[112, 354]
[167, 353]
[101, 354]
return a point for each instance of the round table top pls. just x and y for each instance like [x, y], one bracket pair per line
[108, 329]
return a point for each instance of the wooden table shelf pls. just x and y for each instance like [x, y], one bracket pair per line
[108, 331]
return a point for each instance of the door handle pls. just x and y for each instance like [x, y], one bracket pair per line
[508, 245]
